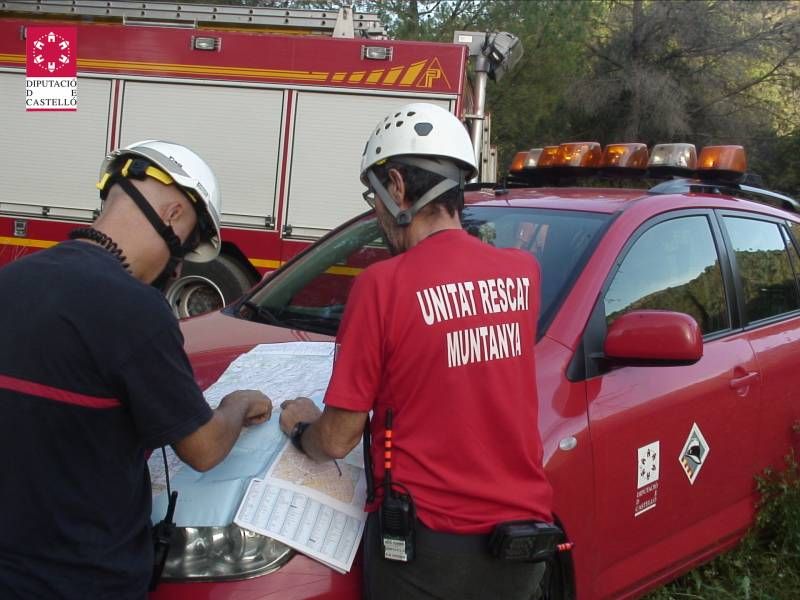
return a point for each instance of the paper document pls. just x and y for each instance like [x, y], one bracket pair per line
[282, 371]
[308, 506]
[316, 508]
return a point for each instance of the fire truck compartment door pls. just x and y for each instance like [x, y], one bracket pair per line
[330, 131]
[236, 130]
[51, 151]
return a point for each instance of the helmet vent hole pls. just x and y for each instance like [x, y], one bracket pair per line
[378, 150]
[410, 113]
[423, 129]
[396, 115]
[398, 124]
[387, 126]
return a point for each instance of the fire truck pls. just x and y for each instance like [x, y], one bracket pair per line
[278, 101]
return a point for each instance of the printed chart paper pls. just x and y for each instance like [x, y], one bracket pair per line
[282, 371]
[316, 508]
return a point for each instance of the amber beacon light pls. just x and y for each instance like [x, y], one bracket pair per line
[548, 157]
[625, 156]
[722, 162]
[579, 154]
[527, 159]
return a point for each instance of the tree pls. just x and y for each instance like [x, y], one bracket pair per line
[704, 69]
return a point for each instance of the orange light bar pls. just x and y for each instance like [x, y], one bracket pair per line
[722, 158]
[533, 158]
[518, 162]
[548, 156]
[579, 154]
[625, 156]
[682, 156]
[525, 160]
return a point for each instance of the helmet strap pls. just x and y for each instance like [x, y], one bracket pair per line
[160, 282]
[453, 177]
[176, 250]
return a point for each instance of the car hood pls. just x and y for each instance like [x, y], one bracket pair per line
[214, 340]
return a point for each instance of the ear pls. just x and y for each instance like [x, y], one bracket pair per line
[397, 188]
[173, 211]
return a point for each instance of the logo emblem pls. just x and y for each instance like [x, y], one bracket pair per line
[647, 467]
[51, 68]
[432, 74]
[694, 453]
[51, 51]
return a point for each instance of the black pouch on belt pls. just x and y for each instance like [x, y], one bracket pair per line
[530, 541]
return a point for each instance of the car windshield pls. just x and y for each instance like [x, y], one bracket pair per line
[310, 293]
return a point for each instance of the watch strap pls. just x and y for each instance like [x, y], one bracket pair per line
[296, 435]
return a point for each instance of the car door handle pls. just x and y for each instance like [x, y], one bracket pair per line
[740, 382]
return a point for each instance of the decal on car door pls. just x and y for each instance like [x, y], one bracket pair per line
[694, 453]
[647, 464]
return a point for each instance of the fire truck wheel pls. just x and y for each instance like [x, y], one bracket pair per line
[204, 287]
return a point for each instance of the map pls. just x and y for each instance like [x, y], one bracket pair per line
[335, 479]
[281, 371]
[264, 484]
[316, 508]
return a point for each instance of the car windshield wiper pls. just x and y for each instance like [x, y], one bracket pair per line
[264, 315]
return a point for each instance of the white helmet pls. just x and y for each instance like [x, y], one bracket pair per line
[189, 172]
[419, 129]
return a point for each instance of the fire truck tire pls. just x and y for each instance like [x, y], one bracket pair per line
[205, 287]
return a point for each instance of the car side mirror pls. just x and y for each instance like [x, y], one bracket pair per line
[654, 337]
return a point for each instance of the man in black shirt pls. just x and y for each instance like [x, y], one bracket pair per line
[93, 375]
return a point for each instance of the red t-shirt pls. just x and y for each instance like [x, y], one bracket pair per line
[444, 334]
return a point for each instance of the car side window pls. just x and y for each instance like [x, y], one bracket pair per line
[674, 266]
[795, 229]
[764, 266]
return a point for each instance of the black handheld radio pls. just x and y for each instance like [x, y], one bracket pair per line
[396, 514]
[163, 531]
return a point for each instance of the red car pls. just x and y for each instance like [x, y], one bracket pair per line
[667, 350]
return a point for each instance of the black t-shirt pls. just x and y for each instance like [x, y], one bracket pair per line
[92, 374]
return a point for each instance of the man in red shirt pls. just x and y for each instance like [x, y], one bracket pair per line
[438, 342]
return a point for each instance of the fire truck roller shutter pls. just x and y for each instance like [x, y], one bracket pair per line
[203, 287]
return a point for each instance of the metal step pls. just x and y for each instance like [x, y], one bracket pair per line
[343, 22]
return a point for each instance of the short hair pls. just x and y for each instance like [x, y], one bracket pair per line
[418, 181]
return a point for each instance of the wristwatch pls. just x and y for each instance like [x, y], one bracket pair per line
[296, 435]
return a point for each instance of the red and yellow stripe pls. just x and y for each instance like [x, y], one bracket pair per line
[413, 75]
[262, 263]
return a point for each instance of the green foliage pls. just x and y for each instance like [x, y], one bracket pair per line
[776, 159]
[766, 564]
[528, 106]
[701, 71]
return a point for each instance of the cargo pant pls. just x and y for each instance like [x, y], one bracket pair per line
[446, 567]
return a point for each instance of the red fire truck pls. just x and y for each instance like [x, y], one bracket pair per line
[278, 101]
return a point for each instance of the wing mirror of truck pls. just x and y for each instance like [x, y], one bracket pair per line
[654, 337]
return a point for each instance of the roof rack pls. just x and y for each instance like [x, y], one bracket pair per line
[682, 186]
[342, 23]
